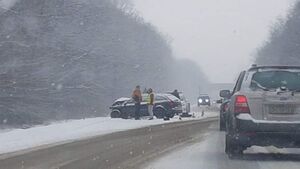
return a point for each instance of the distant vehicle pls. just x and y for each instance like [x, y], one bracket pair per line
[264, 109]
[166, 105]
[203, 100]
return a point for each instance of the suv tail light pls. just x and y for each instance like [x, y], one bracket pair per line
[241, 105]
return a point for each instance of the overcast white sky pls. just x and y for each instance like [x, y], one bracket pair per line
[220, 35]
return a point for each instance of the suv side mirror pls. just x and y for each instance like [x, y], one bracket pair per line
[225, 94]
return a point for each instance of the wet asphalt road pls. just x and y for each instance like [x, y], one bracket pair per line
[208, 153]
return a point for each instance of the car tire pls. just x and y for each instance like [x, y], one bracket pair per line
[171, 115]
[159, 113]
[232, 148]
[124, 115]
[115, 114]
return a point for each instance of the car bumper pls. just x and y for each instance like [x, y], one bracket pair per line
[250, 133]
[177, 110]
[204, 104]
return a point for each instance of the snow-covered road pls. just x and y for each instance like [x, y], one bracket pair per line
[67, 131]
[209, 154]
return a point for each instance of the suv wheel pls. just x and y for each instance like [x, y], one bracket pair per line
[124, 115]
[171, 115]
[115, 114]
[232, 148]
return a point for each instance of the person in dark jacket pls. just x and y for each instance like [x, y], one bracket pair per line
[137, 97]
[176, 93]
[145, 91]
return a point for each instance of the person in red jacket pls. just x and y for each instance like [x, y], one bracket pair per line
[137, 97]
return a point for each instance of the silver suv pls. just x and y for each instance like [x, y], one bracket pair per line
[264, 109]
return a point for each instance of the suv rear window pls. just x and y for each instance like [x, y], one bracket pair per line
[269, 80]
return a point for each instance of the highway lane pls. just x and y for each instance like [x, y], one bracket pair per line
[208, 153]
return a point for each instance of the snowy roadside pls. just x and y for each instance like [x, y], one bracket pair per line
[68, 131]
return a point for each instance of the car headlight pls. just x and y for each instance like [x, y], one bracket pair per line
[200, 100]
[206, 100]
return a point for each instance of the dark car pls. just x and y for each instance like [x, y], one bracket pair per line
[165, 105]
[223, 108]
[223, 114]
[264, 109]
[203, 100]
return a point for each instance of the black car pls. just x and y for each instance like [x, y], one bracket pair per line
[203, 100]
[223, 108]
[223, 115]
[165, 105]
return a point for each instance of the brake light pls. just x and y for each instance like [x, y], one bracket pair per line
[241, 105]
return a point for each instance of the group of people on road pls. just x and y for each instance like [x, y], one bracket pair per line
[137, 97]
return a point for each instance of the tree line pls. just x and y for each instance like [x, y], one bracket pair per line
[66, 59]
[283, 45]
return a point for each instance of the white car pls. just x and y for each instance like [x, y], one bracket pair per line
[264, 109]
[185, 104]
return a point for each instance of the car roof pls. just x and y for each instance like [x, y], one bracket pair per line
[273, 67]
[165, 95]
[203, 94]
[173, 91]
[122, 99]
[172, 97]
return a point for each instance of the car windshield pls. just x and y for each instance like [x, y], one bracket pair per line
[203, 97]
[276, 79]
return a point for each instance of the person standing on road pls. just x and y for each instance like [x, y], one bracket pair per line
[176, 93]
[137, 97]
[150, 102]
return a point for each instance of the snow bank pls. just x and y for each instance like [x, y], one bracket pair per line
[66, 131]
